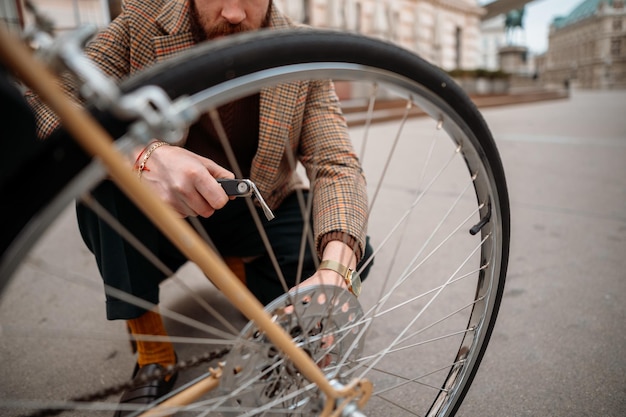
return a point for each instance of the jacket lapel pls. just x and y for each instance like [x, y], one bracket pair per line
[277, 131]
[277, 107]
[174, 22]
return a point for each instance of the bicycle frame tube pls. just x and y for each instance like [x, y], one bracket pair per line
[94, 139]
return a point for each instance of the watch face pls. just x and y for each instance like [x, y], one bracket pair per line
[355, 281]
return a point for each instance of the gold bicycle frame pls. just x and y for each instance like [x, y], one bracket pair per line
[97, 142]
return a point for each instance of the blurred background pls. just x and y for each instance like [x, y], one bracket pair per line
[559, 347]
[489, 46]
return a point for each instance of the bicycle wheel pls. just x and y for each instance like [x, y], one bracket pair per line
[438, 222]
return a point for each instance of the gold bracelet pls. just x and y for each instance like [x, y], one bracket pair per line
[142, 167]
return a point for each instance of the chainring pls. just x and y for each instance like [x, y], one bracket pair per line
[325, 322]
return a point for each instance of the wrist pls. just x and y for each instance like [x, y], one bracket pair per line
[145, 154]
[343, 275]
[339, 236]
[340, 252]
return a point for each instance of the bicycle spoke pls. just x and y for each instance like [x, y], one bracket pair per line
[412, 322]
[154, 259]
[417, 379]
[437, 222]
[425, 293]
[368, 119]
[53, 270]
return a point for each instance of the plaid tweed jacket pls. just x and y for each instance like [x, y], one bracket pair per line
[302, 116]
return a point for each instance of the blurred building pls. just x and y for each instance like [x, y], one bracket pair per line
[11, 16]
[587, 48]
[493, 38]
[65, 14]
[444, 32]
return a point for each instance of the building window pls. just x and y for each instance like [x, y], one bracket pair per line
[617, 24]
[616, 47]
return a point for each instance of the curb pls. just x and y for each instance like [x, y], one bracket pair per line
[387, 110]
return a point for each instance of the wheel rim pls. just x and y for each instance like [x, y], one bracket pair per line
[392, 387]
[493, 242]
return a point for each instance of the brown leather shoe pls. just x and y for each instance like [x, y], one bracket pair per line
[144, 393]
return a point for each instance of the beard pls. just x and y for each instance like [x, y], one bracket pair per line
[202, 31]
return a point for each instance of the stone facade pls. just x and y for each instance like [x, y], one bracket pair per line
[444, 32]
[493, 38]
[447, 33]
[587, 48]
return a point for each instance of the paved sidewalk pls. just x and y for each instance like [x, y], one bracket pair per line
[559, 347]
[386, 110]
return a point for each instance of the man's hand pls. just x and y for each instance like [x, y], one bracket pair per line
[340, 252]
[186, 181]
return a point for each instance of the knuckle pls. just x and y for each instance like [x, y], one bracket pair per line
[207, 212]
[220, 201]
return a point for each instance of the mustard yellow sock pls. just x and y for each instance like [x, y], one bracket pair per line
[161, 352]
[237, 266]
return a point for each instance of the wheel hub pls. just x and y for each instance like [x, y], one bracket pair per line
[324, 321]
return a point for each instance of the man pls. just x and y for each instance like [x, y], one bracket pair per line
[304, 115]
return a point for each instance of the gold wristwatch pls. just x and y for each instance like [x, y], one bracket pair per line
[350, 276]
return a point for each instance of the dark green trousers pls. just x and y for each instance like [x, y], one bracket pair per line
[231, 229]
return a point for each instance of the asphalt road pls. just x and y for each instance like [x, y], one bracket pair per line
[559, 346]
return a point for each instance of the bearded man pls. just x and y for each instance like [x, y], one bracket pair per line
[147, 32]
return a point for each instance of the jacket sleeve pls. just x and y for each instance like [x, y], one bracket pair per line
[334, 170]
[108, 50]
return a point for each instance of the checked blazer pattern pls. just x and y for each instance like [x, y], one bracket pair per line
[299, 118]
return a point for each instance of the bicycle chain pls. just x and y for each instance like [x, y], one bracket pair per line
[119, 388]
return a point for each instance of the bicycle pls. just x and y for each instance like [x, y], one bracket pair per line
[412, 343]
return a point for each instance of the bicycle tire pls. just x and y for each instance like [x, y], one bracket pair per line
[232, 60]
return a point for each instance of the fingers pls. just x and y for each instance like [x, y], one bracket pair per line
[183, 210]
[187, 182]
[205, 194]
[201, 196]
[209, 190]
[208, 196]
[217, 171]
